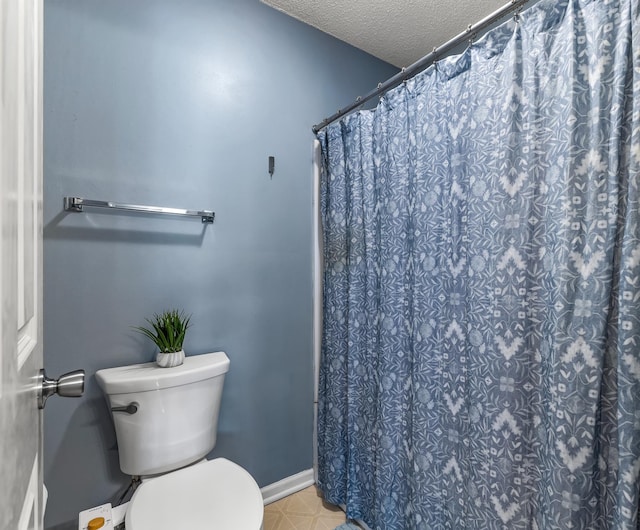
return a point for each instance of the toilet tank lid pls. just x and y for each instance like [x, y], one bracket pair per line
[149, 376]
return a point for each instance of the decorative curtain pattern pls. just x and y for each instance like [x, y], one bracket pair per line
[481, 341]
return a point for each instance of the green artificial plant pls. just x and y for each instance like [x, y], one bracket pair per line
[169, 328]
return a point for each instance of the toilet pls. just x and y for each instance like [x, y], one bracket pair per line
[166, 423]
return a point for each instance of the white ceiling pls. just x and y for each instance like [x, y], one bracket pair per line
[397, 31]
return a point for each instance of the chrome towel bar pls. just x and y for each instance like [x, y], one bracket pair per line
[77, 204]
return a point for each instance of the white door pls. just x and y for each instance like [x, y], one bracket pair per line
[20, 263]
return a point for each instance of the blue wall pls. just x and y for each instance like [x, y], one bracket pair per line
[179, 103]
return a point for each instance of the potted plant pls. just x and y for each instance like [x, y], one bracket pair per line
[168, 331]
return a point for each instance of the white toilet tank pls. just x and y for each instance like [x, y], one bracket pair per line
[176, 420]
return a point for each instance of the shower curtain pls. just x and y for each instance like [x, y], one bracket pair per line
[481, 340]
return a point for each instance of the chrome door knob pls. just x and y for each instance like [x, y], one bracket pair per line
[67, 385]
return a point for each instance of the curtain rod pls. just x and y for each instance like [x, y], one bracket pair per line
[425, 62]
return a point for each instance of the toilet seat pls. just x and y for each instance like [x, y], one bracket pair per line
[216, 494]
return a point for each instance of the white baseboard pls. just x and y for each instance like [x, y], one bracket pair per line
[290, 485]
[278, 490]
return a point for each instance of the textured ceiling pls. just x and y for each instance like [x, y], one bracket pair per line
[396, 31]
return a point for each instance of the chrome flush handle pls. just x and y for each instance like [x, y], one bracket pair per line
[131, 408]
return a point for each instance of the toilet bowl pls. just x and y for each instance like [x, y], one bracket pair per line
[216, 494]
[166, 422]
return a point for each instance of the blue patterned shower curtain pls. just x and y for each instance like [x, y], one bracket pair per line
[481, 342]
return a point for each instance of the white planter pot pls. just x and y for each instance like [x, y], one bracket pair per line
[169, 360]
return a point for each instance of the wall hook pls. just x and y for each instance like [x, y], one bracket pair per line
[272, 165]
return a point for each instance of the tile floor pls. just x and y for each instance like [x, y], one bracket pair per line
[305, 510]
